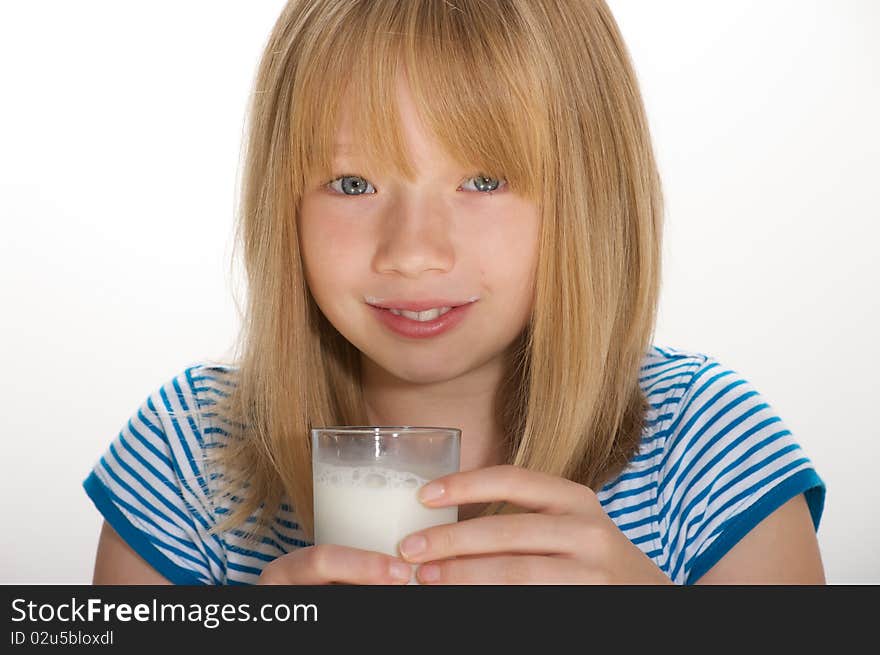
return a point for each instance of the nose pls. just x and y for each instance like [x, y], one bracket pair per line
[415, 238]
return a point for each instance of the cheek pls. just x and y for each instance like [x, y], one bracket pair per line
[507, 256]
[332, 257]
[321, 232]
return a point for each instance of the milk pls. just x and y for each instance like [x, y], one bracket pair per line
[371, 507]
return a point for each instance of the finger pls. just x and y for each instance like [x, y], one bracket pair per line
[508, 570]
[532, 490]
[512, 533]
[331, 563]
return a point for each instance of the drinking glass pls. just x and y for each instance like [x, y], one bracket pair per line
[366, 479]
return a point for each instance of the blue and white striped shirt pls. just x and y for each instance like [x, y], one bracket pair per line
[715, 460]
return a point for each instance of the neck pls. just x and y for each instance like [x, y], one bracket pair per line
[466, 402]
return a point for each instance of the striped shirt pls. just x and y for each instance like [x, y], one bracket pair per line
[714, 460]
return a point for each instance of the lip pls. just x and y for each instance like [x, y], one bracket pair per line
[417, 305]
[407, 327]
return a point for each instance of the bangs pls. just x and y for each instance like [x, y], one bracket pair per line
[475, 85]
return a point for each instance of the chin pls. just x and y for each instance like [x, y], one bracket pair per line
[419, 370]
[423, 373]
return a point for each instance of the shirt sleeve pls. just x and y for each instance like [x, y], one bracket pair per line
[150, 485]
[728, 463]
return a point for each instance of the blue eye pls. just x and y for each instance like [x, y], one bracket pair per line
[354, 185]
[357, 185]
[488, 184]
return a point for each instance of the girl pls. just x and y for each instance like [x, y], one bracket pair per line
[486, 167]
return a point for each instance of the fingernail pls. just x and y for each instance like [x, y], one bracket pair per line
[401, 571]
[413, 545]
[429, 573]
[431, 491]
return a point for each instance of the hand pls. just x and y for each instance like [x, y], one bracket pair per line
[567, 538]
[329, 563]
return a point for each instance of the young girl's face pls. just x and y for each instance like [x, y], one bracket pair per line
[368, 236]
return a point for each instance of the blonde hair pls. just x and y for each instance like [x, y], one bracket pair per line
[553, 98]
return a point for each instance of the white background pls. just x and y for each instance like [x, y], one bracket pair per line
[120, 129]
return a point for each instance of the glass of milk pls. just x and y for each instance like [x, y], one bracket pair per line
[366, 479]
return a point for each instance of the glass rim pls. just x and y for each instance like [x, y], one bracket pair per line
[372, 429]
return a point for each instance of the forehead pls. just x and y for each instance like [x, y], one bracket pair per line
[416, 138]
[377, 130]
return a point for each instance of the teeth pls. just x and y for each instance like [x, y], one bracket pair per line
[427, 315]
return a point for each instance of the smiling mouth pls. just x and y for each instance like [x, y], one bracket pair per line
[424, 324]
[418, 310]
[413, 306]
[426, 315]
